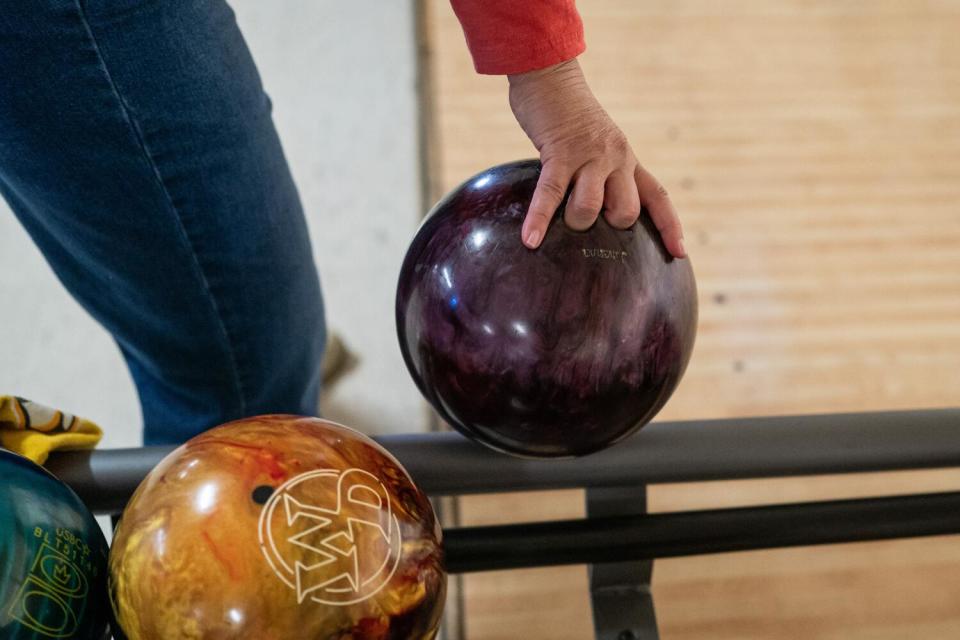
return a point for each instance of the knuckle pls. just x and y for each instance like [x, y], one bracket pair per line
[656, 195]
[593, 142]
[617, 145]
[595, 136]
[583, 208]
[540, 214]
[591, 202]
[552, 189]
[621, 218]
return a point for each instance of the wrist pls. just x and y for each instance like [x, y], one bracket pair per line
[558, 73]
[554, 94]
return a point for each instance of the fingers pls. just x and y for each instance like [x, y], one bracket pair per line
[586, 198]
[656, 201]
[622, 200]
[596, 189]
[550, 191]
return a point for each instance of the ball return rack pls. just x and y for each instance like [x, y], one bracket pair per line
[618, 539]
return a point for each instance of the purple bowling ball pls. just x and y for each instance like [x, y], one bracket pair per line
[559, 351]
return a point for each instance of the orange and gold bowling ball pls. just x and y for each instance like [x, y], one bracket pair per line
[275, 528]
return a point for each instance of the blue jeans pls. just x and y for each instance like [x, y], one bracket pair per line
[137, 149]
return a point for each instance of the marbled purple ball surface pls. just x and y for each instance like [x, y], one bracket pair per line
[559, 351]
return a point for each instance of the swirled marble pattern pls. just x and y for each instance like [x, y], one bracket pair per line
[560, 351]
[277, 528]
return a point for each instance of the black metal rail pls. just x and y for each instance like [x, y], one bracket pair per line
[448, 464]
[668, 535]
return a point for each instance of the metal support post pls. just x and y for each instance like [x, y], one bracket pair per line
[620, 593]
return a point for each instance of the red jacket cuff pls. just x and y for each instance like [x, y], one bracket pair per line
[507, 37]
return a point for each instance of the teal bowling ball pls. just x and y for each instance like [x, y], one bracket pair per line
[53, 558]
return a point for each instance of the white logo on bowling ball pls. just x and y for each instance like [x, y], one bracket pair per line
[331, 535]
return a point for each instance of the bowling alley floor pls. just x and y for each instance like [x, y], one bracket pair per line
[813, 151]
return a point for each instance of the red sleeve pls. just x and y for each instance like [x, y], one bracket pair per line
[514, 36]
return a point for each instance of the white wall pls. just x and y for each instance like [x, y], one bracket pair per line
[342, 76]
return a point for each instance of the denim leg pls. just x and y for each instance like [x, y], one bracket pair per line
[137, 149]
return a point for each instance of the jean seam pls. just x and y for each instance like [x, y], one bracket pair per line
[184, 235]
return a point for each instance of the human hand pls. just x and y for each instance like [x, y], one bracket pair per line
[580, 144]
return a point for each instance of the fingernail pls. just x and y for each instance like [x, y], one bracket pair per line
[533, 239]
[683, 250]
